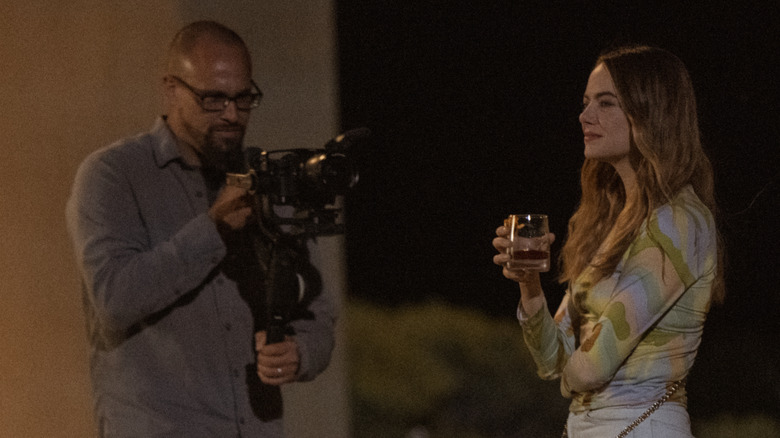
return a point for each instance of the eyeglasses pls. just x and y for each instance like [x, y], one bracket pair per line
[214, 101]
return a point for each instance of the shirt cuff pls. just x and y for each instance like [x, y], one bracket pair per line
[524, 318]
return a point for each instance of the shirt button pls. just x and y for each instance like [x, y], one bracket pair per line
[235, 373]
[198, 194]
[241, 420]
[228, 326]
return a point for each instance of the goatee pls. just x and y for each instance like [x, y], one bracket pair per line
[225, 156]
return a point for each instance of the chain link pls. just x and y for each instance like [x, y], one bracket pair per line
[623, 433]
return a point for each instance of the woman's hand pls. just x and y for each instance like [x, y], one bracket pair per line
[531, 293]
[501, 244]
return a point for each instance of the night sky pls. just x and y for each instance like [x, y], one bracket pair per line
[473, 107]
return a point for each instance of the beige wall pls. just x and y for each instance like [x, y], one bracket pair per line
[75, 76]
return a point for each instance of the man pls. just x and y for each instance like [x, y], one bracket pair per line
[171, 284]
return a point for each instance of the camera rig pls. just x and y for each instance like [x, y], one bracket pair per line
[295, 194]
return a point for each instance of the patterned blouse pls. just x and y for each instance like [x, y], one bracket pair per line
[622, 340]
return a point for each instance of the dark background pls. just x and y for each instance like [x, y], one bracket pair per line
[473, 107]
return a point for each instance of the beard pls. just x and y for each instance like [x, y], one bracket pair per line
[221, 153]
[224, 154]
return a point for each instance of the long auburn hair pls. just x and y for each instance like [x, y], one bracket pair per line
[657, 96]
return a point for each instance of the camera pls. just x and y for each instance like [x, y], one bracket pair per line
[295, 194]
[306, 181]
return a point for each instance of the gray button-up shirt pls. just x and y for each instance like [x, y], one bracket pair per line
[172, 339]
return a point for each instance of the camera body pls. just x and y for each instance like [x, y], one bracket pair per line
[303, 178]
[308, 181]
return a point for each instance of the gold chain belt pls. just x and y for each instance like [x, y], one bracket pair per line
[669, 392]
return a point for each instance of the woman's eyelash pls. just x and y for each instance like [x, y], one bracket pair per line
[606, 103]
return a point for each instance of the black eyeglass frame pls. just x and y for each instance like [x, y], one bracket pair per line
[225, 100]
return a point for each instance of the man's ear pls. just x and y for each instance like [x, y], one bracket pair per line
[169, 90]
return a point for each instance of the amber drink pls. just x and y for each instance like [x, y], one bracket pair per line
[530, 242]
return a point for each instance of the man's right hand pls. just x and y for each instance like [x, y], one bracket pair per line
[232, 208]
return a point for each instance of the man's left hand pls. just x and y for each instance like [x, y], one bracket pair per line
[277, 363]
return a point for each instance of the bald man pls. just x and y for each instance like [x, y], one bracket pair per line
[173, 293]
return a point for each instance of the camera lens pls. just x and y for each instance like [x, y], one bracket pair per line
[332, 173]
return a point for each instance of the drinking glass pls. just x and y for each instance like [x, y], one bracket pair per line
[530, 242]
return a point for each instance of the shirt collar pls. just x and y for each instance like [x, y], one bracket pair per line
[166, 150]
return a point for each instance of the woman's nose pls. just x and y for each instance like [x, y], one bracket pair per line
[587, 116]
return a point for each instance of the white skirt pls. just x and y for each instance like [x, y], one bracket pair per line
[671, 420]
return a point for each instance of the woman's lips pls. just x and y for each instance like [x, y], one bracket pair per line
[589, 136]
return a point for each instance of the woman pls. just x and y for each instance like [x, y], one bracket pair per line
[642, 260]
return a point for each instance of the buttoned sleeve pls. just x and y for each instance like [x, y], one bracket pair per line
[315, 338]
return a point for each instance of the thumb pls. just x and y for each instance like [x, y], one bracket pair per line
[260, 340]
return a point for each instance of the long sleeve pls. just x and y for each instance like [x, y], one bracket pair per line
[127, 276]
[316, 338]
[645, 292]
[550, 340]
[171, 308]
[619, 340]
[674, 254]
